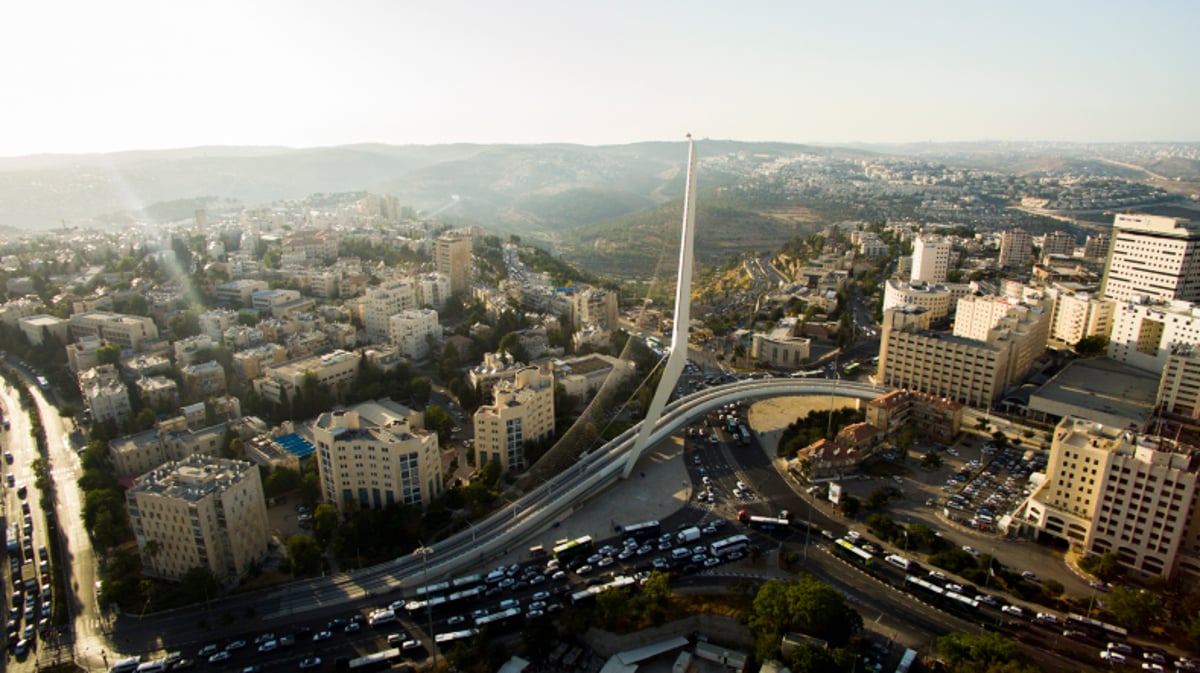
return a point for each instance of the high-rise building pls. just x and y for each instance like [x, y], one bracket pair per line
[200, 512]
[1078, 315]
[522, 411]
[384, 301]
[930, 259]
[1058, 243]
[1144, 331]
[452, 254]
[1016, 248]
[1096, 246]
[1154, 256]
[1112, 490]
[1179, 387]
[376, 454]
[412, 331]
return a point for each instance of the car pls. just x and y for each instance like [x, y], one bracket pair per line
[541, 596]
[322, 635]
[937, 575]
[218, 657]
[506, 583]
[710, 562]
[456, 620]
[584, 569]
[605, 562]
[263, 637]
[537, 605]
[559, 575]
[28, 632]
[626, 554]
[10, 480]
[534, 613]
[1014, 610]
[695, 459]
[268, 646]
[352, 627]
[536, 580]
[1146, 666]
[735, 555]
[21, 647]
[253, 668]
[1154, 657]
[336, 623]
[1030, 576]
[235, 645]
[8, 457]
[208, 650]
[971, 550]
[310, 662]
[183, 663]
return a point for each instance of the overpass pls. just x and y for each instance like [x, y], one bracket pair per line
[465, 551]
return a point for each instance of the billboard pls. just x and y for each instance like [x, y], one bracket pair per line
[835, 492]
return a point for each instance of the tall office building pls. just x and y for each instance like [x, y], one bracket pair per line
[386, 300]
[522, 411]
[1111, 490]
[1158, 257]
[1016, 248]
[930, 259]
[200, 512]
[452, 255]
[376, 454]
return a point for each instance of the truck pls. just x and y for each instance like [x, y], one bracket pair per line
[688, 534]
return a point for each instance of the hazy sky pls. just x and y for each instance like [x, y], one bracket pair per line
[98, 76]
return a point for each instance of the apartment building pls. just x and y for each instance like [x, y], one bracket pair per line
[1016, 248]
[452, 256]
[384, 301]
[214, 323]
[132, 455]
[1157, 257]
[105, 394]
[238, 292]
[522, 411]
[320, 244]
[1144, 331]
[936, 417]
[412, 332]
[596, 307]
[1179, 387]
[495, 367]
[1025, 323]
[1078, 315]
[250, 363]
[930, 259]
[376, 454]
[203, 379]
[964, 370]
[583, 376]
[435, 289]
[784, 347]
[191, 349]
[1096, 246]
[1058, 243]
[127, 331]
[200, 512]
[1109, 490]
[335, 370]
[938, 299]
[158, 392]
[39, 328]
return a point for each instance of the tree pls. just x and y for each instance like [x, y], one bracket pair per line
[108, 354]
[906, 437]
[325, 523]
[304, 553]
[806, 605]
[931, 461]
[421, 388]
[987, 651]
[1053, 588]
[1133, 608]
[1091, 346]
[657, 588]
[849, 506]
[280, 481]
[877, 500]
[612, 606]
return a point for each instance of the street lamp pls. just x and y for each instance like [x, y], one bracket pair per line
[905, 531]
[424, 552]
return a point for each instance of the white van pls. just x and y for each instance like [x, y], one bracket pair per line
[125, 665]
[898, 561]
[381, 617]
[152, 667]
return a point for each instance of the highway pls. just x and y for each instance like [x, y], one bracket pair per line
[470, 550]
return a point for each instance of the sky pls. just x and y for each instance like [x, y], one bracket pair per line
[86, 76]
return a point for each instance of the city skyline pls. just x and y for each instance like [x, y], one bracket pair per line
[141, 75]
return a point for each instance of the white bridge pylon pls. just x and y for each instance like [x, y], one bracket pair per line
[683, 318]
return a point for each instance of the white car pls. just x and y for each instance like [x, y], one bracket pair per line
[971, 550]
[1013, 610]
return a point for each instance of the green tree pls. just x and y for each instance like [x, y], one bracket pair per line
[109, 354]
[877, 500]
[613, 608]
[325, 523]
[1053, 588]
[421, 388]
[931, 460]
[281, 480]
[849, 506]
[1133, 608]
[305, 554]
[806, 605]
[657, 588]
[1092, 346]
[990, 651]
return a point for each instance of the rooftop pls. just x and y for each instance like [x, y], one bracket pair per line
[193, 478]
[1103, 390]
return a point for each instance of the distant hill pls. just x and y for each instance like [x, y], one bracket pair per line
[538, 189]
